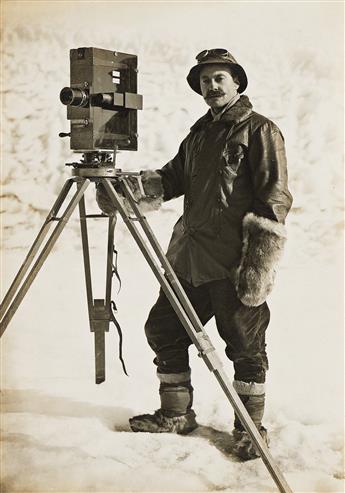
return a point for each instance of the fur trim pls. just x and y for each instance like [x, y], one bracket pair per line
[235, 114]
[248, 388]
[148, 204]
[263, 245]
[239, 111]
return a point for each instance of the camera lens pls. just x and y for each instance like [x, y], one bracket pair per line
[74, 97]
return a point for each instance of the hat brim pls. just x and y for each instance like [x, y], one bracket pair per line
[193, 78]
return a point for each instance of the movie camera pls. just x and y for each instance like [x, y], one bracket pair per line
[102, 100]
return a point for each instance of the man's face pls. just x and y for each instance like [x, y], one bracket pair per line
[217, 85]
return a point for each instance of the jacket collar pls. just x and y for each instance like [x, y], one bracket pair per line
[235, 114]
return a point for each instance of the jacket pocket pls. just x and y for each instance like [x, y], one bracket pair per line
[232, 155]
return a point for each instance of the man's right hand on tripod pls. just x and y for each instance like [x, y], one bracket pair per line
[151, 184]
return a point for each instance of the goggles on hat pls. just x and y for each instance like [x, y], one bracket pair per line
[222, 52]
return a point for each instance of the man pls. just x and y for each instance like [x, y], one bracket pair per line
[231, 169]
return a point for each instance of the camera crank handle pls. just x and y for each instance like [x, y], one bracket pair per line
[64, 134]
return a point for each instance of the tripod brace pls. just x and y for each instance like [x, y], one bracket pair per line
[100, 313]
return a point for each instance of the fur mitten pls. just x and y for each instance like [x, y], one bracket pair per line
[151, 201]
[263, 244]
[103, 201]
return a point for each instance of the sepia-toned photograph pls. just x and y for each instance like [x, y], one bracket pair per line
[172, 246]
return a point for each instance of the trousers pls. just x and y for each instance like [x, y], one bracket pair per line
[242, 328]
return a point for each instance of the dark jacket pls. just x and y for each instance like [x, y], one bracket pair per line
[224, 169]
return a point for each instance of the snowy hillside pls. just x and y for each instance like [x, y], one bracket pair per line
[61, 432]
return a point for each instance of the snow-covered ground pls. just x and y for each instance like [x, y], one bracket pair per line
[60, 431]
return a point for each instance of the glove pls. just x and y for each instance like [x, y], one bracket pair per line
[152, 200]
[263, 245]
[152, 184]
[154, 192]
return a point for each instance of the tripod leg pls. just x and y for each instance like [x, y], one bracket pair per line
[193, 326]
[43, 254]
[86, 255]
[99, 311]
[100, 319]
[99, 355]
[35, 247]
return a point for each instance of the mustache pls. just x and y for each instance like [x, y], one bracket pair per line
[212, 94]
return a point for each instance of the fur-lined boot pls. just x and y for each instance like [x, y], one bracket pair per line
[253, 398]
[244, 447]
[175, 414]
[160, 423]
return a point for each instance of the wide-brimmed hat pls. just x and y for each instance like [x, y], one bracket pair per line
[216, 55]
